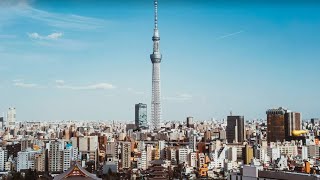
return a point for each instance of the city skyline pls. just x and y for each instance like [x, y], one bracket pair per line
[71, 61]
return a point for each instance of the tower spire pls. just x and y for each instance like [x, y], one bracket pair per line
[155, 14]
[156, 60]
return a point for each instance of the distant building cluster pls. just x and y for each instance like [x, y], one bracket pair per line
[281, 146]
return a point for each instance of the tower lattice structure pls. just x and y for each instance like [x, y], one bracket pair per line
[156, 60]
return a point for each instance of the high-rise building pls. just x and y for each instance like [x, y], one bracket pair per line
[156, 60]
[55, 156]
[171, 154]
[1, 122]
[189, 121]
[87, 146]
[25, 160]
[275, 124]
[149, 149]
[11, 117]
[2, 159]
[67, 156]
[247, 154]
[192, 159]
[235, 129]
[183, 155]
[25, 144]
[143, 160]
[193, 142]
[39, 162]
[22, 160]
[162, 151]
[141, 120]
[280, 124]
[126, 155]
[292, 122]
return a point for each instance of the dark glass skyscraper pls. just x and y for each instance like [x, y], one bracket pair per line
[275, 124]
[235, 129]
[280, 124]
[141, 116]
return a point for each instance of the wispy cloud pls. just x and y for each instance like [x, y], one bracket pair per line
[22, 9]
[98, 86]
[179, 97]
[53, 36]
[17, 80]
[229, 35]
[21, 84]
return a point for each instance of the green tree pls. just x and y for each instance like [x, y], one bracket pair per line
[31, 175]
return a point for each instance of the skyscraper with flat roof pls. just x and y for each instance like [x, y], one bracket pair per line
[126, 155]
[11, 117]
[292, 122]
[280, 124]
[235, 129]
[141, 120]
[247, 154]
[55, 156]
[275, 124]
[1, 122]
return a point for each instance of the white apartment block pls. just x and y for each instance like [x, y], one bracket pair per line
[22, 161]
[183, 155]
[193, 159]
[2, 159]
[55, 156]
[67, 157]
[143, 160]
[126, 155]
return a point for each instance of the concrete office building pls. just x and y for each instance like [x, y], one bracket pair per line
[126, 155]
[11, 117]
[280, 124]
[55, 156]
[3, 159]
[247, 154]
[141, 120]
[235, 129]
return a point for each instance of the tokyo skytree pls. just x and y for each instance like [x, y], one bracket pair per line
[156, 60]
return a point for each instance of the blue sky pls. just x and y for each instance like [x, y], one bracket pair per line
[89, 60]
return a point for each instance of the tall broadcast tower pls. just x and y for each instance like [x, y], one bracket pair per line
[156, 60]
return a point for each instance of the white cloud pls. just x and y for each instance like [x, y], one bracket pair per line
[12, 10]
[61, 84]
[52, 36]
[99, 86]
[25, 85]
